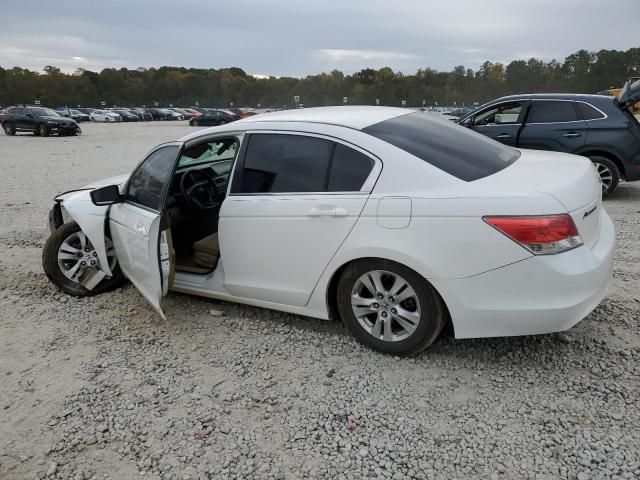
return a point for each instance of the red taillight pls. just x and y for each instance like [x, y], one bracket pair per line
[542, 235]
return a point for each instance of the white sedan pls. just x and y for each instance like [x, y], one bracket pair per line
[395, 221]
[104, 116]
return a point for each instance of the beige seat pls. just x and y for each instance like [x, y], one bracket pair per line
[206, 251]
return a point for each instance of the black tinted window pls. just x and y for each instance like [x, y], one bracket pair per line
[588, 112]
[146, 185]
[285, 164]
[349, 169]
[454, 149]
[552, 111]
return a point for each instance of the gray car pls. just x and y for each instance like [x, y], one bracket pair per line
[596, 126]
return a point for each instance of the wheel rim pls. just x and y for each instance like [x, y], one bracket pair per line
[76, 255]
[195, 123]
[606, 177]
[8, 129]
[386, 305]
[42, 130]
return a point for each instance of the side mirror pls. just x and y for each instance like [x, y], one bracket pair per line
[106, 196]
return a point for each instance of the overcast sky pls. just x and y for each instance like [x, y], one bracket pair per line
[300, 37]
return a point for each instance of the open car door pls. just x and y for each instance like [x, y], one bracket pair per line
[629, 95]
[139, 231]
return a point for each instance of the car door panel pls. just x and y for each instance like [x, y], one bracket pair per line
[137, 226]
[558, 137]
[135, 233]
[507, 134]
[553, 124]
[275, 247]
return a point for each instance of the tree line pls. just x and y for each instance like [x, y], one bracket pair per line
[580, 72]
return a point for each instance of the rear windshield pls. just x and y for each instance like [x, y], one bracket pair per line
[456, 150]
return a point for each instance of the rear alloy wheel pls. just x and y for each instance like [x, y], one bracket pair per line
[609, 174]
[68, 255]
[9, 129]
[194, 123]
[389, 307]
[43, 130]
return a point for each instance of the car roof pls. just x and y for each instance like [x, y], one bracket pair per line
[554, 96]
[357, 117]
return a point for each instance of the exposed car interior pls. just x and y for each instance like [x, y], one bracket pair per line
[198, 187]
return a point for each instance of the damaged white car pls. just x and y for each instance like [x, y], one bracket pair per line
[393, 220]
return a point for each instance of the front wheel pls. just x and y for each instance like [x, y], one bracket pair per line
[609, 174]
[43, 130]
[68, 257]
[389, 307]
[194, 123]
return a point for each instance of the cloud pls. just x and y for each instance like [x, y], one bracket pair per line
[298, 37]
[345, 55]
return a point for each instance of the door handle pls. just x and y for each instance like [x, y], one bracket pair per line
[572, 135]
[328, 211]
[504, 135]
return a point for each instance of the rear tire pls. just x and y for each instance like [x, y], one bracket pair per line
[50, 263]
[609, 173]
[404, 325]
[9, 128]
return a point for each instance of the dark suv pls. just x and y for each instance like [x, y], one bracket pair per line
[39, 120]
[599, 127]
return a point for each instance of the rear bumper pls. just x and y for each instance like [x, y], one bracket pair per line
[542, 294]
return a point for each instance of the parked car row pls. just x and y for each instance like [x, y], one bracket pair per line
[45, 121]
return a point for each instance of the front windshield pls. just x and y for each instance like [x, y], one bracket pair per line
[43, 112]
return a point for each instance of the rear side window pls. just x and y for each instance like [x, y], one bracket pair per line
[453, 149]
[147, 183]
[349, 169]
[544, 111]
[283, 163]
[587, 112]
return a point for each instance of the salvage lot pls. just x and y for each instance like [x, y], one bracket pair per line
[101, 386]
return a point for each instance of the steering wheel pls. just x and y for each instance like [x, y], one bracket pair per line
[199, 189]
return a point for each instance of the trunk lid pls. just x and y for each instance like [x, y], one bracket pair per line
[572, 180]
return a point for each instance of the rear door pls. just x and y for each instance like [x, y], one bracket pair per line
[138, 228]
[501, 122]
[553, 125]
[19, 114]
[294, 198]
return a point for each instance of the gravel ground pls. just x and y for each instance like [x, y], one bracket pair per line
[101, 388]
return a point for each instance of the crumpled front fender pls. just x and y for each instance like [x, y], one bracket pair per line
[90, 218]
